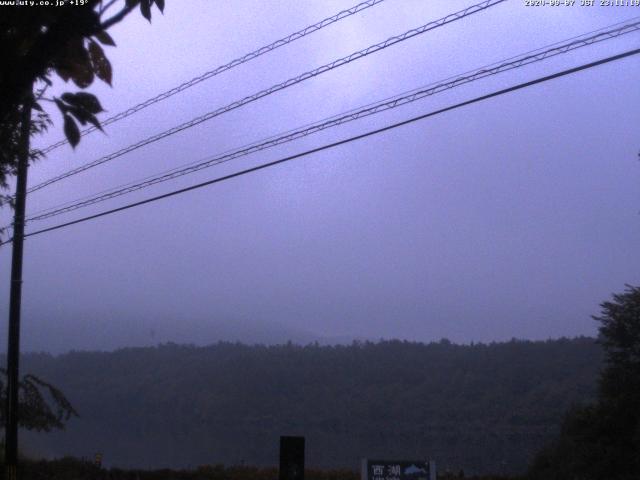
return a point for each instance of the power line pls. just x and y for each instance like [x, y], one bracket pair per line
[581, 37]
[228, 66]
[393, 102]
[341, 142]
[275, 88]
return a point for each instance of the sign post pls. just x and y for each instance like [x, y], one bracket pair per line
[291, 458]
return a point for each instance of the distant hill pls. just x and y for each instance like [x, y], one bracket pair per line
[482, 408]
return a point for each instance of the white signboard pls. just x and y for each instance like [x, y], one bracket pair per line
[398, 470]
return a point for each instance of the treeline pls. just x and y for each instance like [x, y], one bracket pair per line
[477, 408]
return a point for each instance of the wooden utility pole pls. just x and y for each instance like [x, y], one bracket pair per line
[13, 350]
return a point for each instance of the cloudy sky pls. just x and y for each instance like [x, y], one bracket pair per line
[513, 217]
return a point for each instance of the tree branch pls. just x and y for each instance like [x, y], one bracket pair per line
[117, 18]
[104, 8]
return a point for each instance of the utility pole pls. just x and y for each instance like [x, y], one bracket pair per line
[13, 351]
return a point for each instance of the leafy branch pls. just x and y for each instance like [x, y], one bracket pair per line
[43, 407]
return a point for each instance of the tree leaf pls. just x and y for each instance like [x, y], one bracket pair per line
[145, 9]
[82, 76]
[68, 97]
[95, 122]
[63, 73]
[96, 54]
[104, 38]
[76, 59]
[160, 4]
[81, 114]
[88, 101]
[101, 65]
[71, 131]
[105, 72]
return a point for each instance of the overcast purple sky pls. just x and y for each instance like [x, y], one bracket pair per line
[514, 217]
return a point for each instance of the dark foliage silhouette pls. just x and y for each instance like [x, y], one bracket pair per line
[602, 440]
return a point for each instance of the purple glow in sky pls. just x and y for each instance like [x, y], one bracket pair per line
[513, 217]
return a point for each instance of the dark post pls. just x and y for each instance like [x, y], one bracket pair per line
[291, 458]
[13, 351]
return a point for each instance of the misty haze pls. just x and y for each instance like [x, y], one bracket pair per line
[395, 228]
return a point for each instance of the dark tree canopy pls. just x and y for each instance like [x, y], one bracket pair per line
[37, 43]
[602, 441]
[620, 338]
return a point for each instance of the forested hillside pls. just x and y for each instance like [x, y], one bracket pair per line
[481, 408]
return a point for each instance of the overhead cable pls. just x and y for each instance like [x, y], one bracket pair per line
[223, 68]
[338, 143]
[388, 104]
[275, 88]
